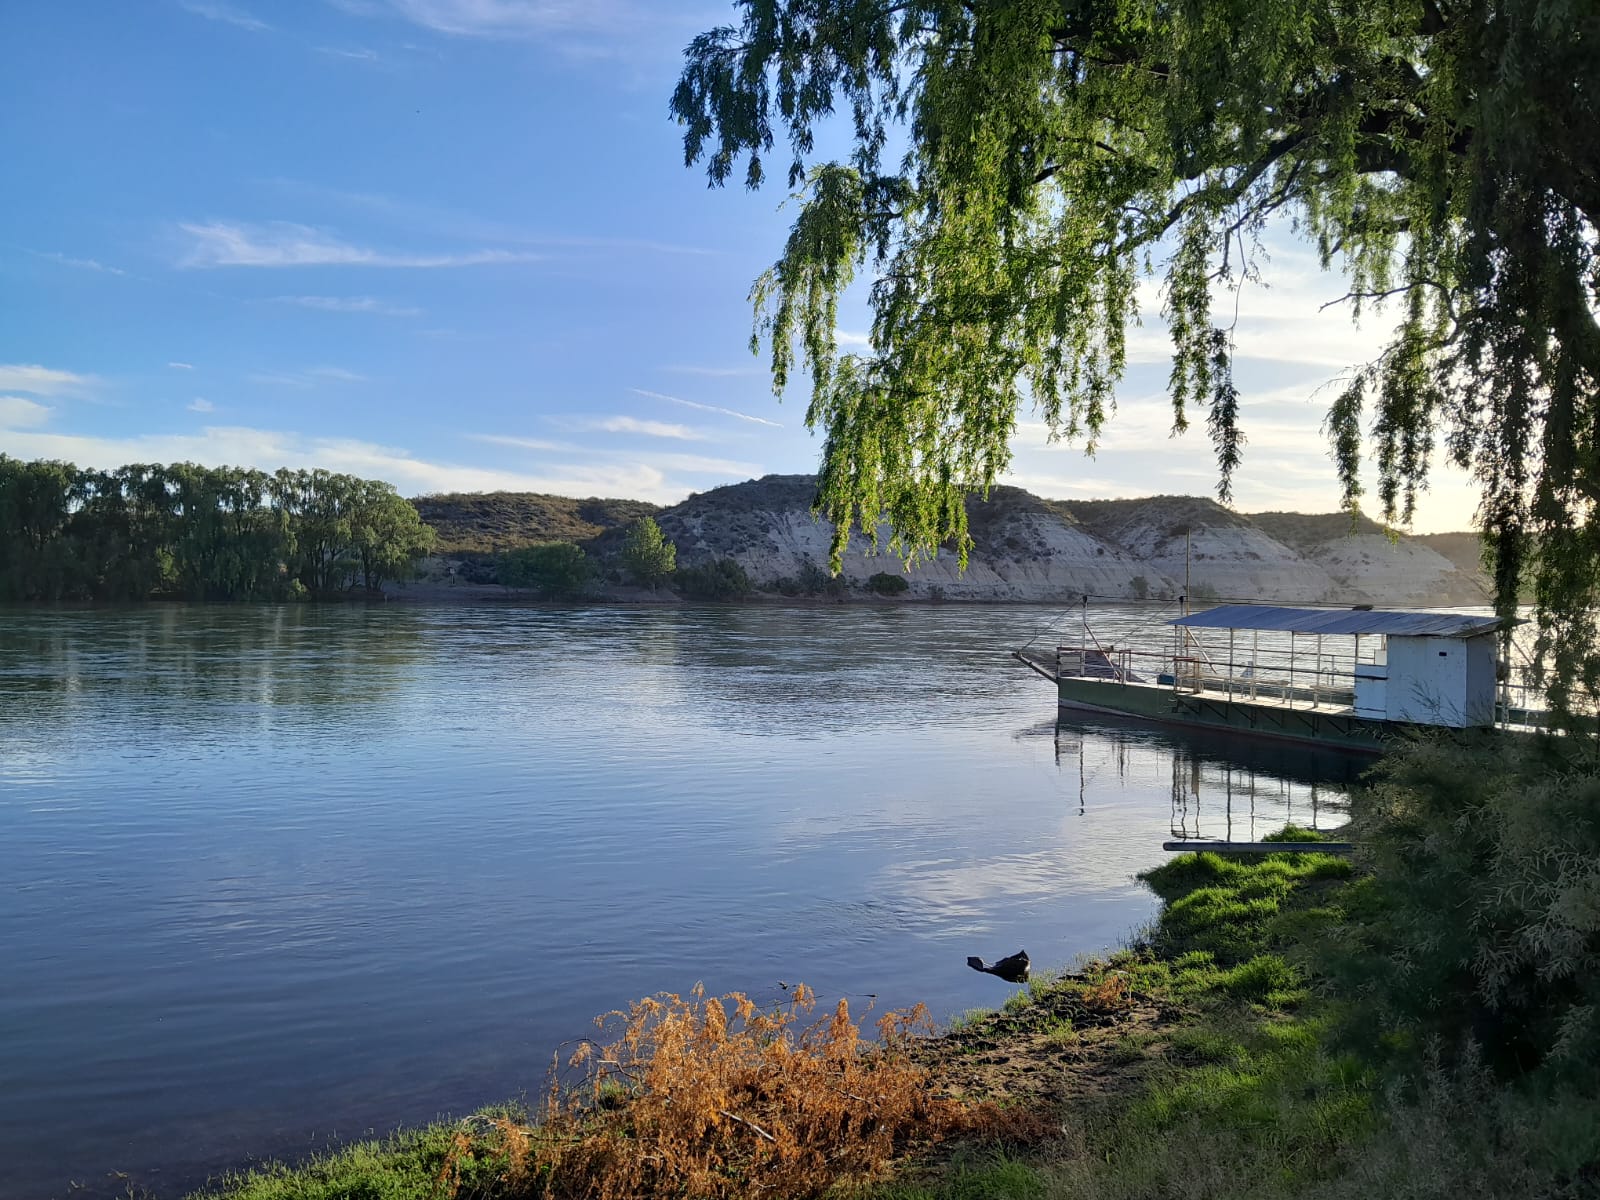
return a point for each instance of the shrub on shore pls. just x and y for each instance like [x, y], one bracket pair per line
[719, 579]
[885, 584]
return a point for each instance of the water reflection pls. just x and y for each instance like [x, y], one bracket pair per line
[1223, 788]
[188, 670]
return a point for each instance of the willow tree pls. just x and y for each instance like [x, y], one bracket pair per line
[1445, 154]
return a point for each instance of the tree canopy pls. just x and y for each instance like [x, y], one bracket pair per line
[647, 555]
[1444, 153]
[555, 570]
[205, 533]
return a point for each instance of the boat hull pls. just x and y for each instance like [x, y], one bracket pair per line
[1169, 707]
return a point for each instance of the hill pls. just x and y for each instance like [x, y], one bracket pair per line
[467, 523]
[1026, 549]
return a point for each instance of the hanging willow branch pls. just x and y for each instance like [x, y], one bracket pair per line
[1446, 156]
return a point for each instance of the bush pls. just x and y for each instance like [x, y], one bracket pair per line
[814, 581]
[554, 569]
[1483, 922]
[719, 579]
[885, 584]
[715, 1097]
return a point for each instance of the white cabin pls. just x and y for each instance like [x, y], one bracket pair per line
[1422, 668]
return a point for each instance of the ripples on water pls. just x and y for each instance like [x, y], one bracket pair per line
[277, 876]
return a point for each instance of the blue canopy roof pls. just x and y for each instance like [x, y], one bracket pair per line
[1347, 621]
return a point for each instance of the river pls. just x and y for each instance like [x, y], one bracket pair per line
[281, 876]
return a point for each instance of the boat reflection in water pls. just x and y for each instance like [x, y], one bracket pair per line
[1224, 787]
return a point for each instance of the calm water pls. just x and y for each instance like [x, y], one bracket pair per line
[280, 876]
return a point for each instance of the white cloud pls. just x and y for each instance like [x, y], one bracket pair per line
[279, 379]
[201, 405]
[42, 381]
[428, 220]
[726, 470]
[271, 449]
[522, 443]
[1286, 462]
[657, 429]
[286, 244]
[727, 412]
[351, 304]
[181, 366]
[845, 338]
[360, 54]
[18, 412]
[693, 464]
[309, 377]
[225, 13]
[81, 264]
[519, 18]
[621, 424]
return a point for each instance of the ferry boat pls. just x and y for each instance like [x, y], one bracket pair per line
[1351, 678]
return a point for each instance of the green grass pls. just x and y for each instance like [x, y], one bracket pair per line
[405, 1167]
[998, 1178]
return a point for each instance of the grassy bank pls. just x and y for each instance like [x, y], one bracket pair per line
[1421, 1023]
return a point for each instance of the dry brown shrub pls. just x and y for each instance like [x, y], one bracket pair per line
[716, 1097]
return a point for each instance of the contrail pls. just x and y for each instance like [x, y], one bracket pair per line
[727, 412]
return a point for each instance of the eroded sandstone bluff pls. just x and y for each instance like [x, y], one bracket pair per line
[1027, 549]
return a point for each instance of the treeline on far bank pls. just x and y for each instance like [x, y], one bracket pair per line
[201, 533]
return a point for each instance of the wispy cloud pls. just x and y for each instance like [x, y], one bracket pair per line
[725, 469]
[201, 405]
[522, 443]
[309, 377]
[181, 366]
[433, 221]
[529, 19]
[712, 408]
[286, 244]
[78, 264]
[43, 381]
[225, 13]
[359, 54]
[846, 338]
[339, 374]
[655, 429]
[18, 412]
[351, 304]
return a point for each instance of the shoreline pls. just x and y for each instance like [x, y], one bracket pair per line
[1067, 1048]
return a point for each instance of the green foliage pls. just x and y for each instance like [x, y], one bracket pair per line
[1445, 156]
[719, 579]
[206, 533]
[555, 570]
[1481, 920]
[646, 553]
[885, 584]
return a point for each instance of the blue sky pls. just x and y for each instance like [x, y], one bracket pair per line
[452, 244]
